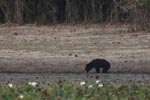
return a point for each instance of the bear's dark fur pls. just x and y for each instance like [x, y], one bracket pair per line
[97, 64]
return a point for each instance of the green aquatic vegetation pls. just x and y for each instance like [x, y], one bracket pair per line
[63, 90]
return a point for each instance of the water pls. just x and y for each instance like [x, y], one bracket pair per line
[104, 78]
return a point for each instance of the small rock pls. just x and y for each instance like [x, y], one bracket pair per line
[125, 61]
[76, 55]
[118, 42]
[97, 76]
[70, 54]
[15, 33]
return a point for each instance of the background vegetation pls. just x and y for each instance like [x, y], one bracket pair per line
[135, 12]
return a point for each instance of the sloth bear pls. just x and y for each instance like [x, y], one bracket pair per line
[97, 64]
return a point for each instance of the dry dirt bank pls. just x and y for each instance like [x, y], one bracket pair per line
[53, 49]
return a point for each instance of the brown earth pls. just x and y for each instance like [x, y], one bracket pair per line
[67, 49]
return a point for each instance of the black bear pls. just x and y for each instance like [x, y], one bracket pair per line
[97, 64]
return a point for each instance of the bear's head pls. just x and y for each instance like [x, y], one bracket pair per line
[88, 67]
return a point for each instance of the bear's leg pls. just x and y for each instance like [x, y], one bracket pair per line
[105, 70]
[87, 74]
[97, 70]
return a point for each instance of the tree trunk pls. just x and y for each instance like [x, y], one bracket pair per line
[19, 8]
